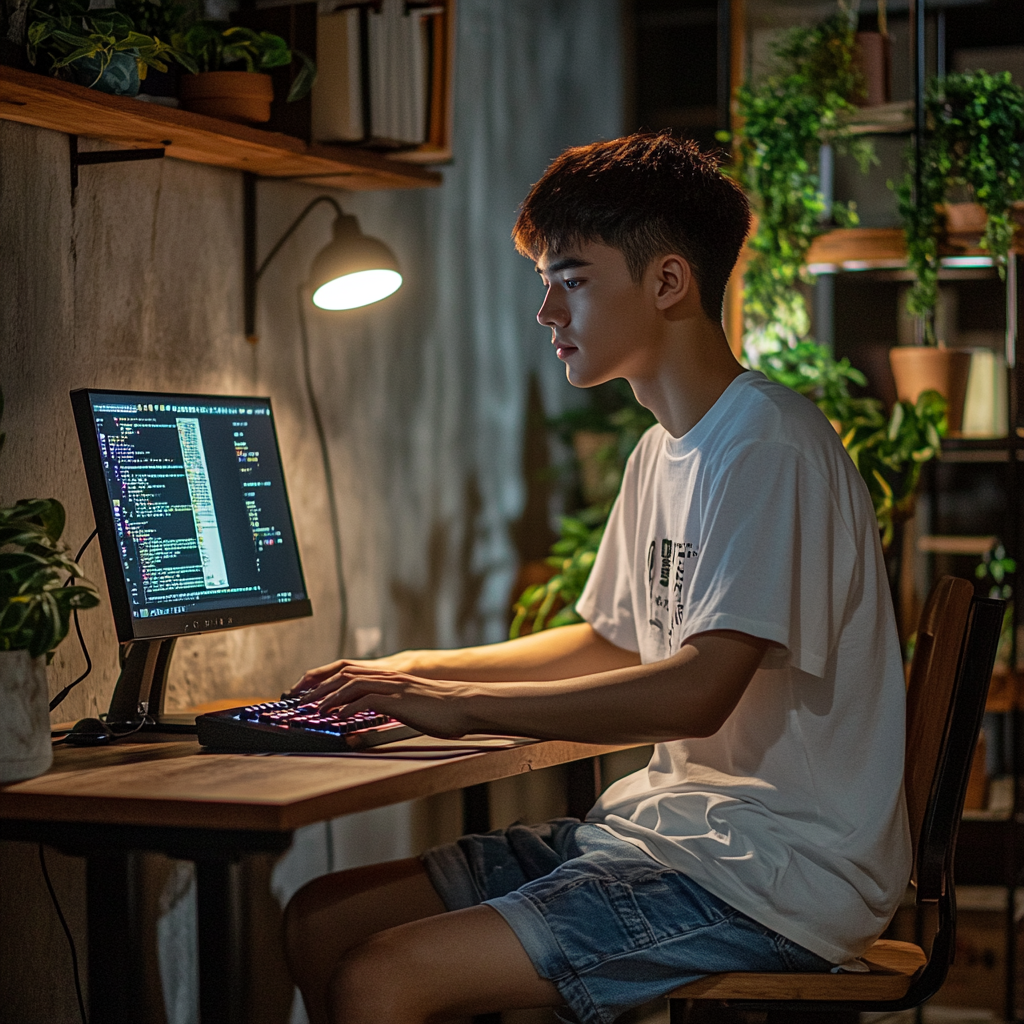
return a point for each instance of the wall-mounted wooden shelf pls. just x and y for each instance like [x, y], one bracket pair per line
[63, 107]
[878, 248]
[887, 119]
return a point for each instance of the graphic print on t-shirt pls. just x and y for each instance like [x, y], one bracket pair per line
[666, 586]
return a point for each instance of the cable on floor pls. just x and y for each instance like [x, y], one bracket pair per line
[67, 930]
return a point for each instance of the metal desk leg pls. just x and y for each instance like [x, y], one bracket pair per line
[115, 947]
[220, 933]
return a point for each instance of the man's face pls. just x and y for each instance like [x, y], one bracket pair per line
[597, 314]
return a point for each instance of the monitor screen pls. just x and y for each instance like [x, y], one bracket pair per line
[191, 510]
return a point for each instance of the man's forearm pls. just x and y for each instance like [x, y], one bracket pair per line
[565, 652]
[690, 694]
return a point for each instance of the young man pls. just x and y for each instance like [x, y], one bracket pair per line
[737, 615]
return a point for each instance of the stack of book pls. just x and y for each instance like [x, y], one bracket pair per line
[375, 72]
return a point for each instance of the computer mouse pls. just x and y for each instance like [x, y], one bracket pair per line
[89, 732]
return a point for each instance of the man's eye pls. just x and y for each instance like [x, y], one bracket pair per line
[572, 282]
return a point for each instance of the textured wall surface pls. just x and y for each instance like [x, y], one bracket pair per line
[135, 282]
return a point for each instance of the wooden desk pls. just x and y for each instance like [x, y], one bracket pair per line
[164, 794]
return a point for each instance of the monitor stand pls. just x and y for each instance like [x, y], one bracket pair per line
[141, 688]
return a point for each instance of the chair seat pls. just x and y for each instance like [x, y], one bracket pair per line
[893, 965]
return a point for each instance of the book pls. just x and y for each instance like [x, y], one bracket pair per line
[337, 97]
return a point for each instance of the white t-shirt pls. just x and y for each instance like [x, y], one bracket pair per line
[756, 520]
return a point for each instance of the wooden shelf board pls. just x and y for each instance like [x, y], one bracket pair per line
[1006, 691]
[882, 248]
[887, 119]
[950, 545]
[63, 107]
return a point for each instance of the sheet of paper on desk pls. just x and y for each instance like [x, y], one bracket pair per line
[422, 748]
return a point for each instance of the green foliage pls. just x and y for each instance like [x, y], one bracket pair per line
[806, 101]
[217, 46]
[612, 409]
[165, 19]
[975, 139]
[888, 450]
[35, 601]
[35, 605]
[813, 371]
[994, 567]
[67, 32]
[546, 605]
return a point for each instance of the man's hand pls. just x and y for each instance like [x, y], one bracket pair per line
[433, 706]
[317, 683]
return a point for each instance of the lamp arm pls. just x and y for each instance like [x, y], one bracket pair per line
[250, 272]
[293, 227]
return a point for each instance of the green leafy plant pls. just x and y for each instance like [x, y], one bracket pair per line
[217, 46]
[165, 19]
[806, 101]
[71, 35]
[994, 568]
[974, 140]
[36, 600]
[550, 604]
[890, 451]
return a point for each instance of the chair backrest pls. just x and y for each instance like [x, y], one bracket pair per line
[949, 676]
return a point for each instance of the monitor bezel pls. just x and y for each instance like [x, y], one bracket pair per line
[166, 626]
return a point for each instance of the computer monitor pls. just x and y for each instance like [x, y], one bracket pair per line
[194, 526]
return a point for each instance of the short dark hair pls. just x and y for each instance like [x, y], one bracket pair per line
[646, 195]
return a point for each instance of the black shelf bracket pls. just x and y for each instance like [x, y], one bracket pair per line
[105, 156]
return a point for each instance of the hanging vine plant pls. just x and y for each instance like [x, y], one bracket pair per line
[974, 139]
[806, 101]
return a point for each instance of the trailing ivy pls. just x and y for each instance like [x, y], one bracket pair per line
[805, 101]
[974, 139]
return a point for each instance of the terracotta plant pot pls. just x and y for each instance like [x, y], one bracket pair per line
[918, 368]
[230, 95]
[25, 747]
[964, 218]
[872, 57]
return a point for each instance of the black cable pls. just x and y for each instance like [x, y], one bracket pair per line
[67, 930]
[78, 629]
[332, 500]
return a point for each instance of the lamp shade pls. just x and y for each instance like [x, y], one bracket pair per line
[353, 270]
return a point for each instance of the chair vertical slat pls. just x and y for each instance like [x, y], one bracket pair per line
[933, 674]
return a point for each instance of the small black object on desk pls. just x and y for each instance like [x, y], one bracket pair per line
[89, 732]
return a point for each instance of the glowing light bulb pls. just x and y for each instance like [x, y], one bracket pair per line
[358, 289]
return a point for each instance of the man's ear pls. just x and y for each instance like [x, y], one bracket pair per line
[673, 280]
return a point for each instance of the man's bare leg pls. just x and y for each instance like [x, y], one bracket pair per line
[469, 961]
[333, 913]
[434, 969]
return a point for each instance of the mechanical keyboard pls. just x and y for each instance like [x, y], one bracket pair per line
[288, 725]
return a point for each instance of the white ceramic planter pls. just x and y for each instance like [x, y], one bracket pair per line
[25, 748]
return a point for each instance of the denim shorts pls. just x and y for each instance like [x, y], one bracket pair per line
[611, 927]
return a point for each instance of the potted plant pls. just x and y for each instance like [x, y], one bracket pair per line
[40, 586]
[973, 147]
[873, 59]
[100, 49]
[233, 62]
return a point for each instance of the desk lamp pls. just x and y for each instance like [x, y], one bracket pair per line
[352, 270]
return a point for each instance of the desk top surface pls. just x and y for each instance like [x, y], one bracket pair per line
[170, 782]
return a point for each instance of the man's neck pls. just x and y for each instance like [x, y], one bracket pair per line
[693, 369]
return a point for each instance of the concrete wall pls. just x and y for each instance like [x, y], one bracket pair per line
[134, 282]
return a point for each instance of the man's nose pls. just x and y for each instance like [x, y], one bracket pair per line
[552, 312]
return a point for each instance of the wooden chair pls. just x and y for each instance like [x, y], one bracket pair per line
[949, 678]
